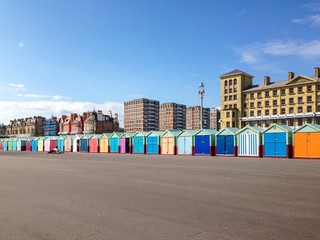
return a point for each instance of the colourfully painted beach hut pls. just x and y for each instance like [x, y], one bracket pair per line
[68, 143]
[94, 143]
[41, 144]
[9, 146]
[139, 142]
[29, 144]
[50, 143]
[306, 141]
[60, 142]
[185, 142]
[226, 142]
[169, 142]
[34, 144]
[153, 142]
[5, 144]
[114, 142]
[205, 142]
[126, 142]
[21, 144]
[1, 144]
[249, 141]
[277, 141]
[104, 143]
[84, 143]
[76, 143]
[14, 144]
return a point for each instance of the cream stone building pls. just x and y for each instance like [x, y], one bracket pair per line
[293, 102]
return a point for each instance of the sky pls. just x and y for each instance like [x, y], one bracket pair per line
[59, 57]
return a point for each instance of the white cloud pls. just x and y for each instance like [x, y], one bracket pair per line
[16, 85]
[314, 20]
[313, 6]
[16, 109]
[21, 44]
[59, 98]
[32, 95]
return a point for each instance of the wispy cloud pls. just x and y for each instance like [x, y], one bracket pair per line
[312, 6]
[254, 53]
[31, 95]
[59, 98]
[16, 85]
[21, 44]
[17, 109]
[314, 20]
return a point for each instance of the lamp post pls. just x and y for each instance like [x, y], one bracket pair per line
[201, 93]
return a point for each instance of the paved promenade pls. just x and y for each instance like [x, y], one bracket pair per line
[91, 196]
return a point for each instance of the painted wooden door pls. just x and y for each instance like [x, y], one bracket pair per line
[68, 145]
[114, 145]
[1, 146]
[248, 144]
[40, 145]
[167, 145]
[5, 146]
[83, 145]
[202, 145]
[75, 145]
[138, 146]
[104, 145]
[10, 145]
[307, 145]
[18, 145]
[53, 144]
[94, 145]
[34, 145]
[275, 144]
[225, 145]
[152, 145]
[184, 145]
[14, 145]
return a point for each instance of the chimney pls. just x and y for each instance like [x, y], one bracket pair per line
[317, 72]
[266, 80]
[290, 75]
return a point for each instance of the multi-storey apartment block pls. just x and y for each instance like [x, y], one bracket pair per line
[193, 118]
[26, 127]
[141, 115]
[215, 118]
[172, 116]
[293, 102]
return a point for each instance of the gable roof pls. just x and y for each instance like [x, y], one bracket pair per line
[285, 128]
[255, 129]
[308, 126]
[235, 72]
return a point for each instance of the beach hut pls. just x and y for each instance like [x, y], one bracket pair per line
[153, 142]
[68, 143]
[139, 142]
[226, 142]
[60, 142]
[306, 141]
[168, 142]
[9, 146]
[94, 143]
[5, 144]
[1, 144]
[21, 144]
[34, 144]
[104, 143]
[53, 142]
[114, 142]
[249, 141]
[205, 142]
[76, 143]
[126, 142]
[14, 144]
[185, 142]
[277, 141]
[29, 144]
[41, 144]
[84, 143]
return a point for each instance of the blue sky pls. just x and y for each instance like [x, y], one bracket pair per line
[58, 57]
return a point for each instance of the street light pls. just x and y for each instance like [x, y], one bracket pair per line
[201, 93]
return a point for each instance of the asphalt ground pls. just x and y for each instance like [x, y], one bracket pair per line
[113, 196]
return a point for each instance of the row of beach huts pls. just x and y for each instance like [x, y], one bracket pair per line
[275, 141]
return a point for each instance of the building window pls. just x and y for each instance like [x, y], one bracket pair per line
[274, 111]
[226, 83]
[230, 106]
[267, 103]
[299, 109]
[291, 90]
[291, 101]
[283, 102]
[230, 90]
[299, 89]
[251, 114]
[234, 97]
[300, 121]
[228, 114]
[275, 93]
[226, 91]
[309, 99]
[259, 95]
[267, 112]
[267, 94]
[283, 92]
[309, 120]
[291, 111]
[230, 98]
[299, 99]
[252, 105]
[309, 108]
[282, 121]
[235, 106]
[230, 82]
[318, 87]
[275, 103]
[259, 104]
[309, 88]
[228, 124]
[245, 97]
[283, 111]
[290, 121]
[251, 95]
[244, 105]
[259, 112]
[267, 123]
[233, 114]
[234, 81]
[235, 90]
[245, 114]
[225, 98]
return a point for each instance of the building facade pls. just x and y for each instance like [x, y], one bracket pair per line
[215, 118]
[293, 102]
[51, 126]
[193, 118]
[141, 115]
[3, 130]
[172, 116]
[26, 127]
